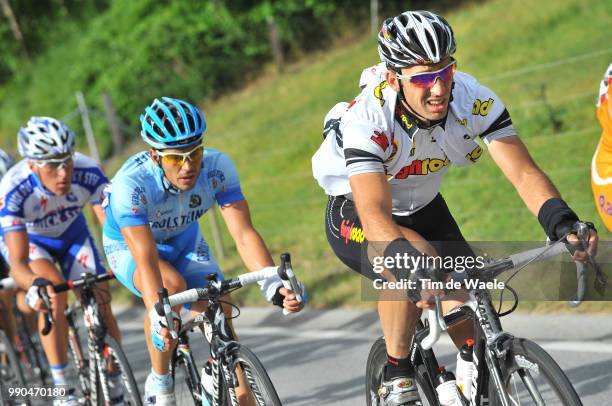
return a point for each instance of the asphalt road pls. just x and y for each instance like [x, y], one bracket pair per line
[318, 358]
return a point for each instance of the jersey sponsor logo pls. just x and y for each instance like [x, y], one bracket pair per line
[462, 121]
[43, 203]
[482, 107]
[178, 221]
[395, 147]
[71, 197]
[351, 233]
[19, 195]
[57, 217]
[87, 178]
[604, 205]
[422, 167]
[216, 176]
[378, 92]
[380, 138]
[474, 154]
[195, 201]
[202, 252]
[138, 196]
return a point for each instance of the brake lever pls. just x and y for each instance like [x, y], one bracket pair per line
[164, 309]
[48, 317]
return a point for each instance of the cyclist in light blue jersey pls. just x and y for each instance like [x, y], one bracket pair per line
[44, 236]
[152, 238]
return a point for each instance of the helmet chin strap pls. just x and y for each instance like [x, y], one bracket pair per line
[168, 186]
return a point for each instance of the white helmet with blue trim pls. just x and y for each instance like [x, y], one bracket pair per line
[44, 138]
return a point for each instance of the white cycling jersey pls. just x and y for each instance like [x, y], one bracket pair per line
[26, 204]
[374, 133]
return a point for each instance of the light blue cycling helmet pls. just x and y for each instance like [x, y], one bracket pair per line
[172, 123]
[6, 161]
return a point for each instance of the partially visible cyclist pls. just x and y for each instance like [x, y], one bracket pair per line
[152, 237]
[7, 321]
[45, 238]
[382, 162]
[601, 166]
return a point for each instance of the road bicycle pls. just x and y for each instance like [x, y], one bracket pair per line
[19, 357]
[105, 357]
[508, 370]
[228, 357]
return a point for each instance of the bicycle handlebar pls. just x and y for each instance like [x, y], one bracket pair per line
[86, 279]
[436, 319]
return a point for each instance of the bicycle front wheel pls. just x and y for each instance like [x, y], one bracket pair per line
[11, 375]
[532, 377]
[115, 355]
[256, 377]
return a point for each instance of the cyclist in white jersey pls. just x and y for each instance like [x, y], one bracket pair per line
[382, 161]
[44, 236]
[152, 237]
[7, 321]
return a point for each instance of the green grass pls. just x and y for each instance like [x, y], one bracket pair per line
[273, 127]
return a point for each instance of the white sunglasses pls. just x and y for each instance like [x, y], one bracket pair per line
[54, 163]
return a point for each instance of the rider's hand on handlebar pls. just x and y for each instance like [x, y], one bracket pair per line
[580, 254]
[160, 334]
[33, 296]
[289, 300]
[428, 298]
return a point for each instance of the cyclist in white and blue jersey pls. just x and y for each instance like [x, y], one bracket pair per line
[44, 236]
[7, 321]
[152, 237]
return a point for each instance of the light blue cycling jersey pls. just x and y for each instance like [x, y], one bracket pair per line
[56, 227]
[137, 195]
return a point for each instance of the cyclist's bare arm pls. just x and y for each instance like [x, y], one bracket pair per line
[141, 244]
[18, 245]
[372, 197]
[99, 213]
[251, 246]
[534, 187]
[249, 243]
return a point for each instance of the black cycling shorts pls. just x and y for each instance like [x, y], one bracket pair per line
[433, 222]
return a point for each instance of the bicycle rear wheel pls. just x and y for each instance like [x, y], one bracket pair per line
[114, 354]
[532, 377]
[374, 370]
[256, 376]
[11, 375]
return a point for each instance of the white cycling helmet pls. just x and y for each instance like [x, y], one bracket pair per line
[6, 161]
[415, 38]
[45, 137]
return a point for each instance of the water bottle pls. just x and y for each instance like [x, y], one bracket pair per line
[448, 393]
[207, 383]
[465, 368]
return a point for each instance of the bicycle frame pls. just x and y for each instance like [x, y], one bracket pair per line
[96, 331]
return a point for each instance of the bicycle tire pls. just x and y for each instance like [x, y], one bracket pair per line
[11, 374]
[525, 355]
[377, 358]
[130, 392]
[184, 387]
[256, 376]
